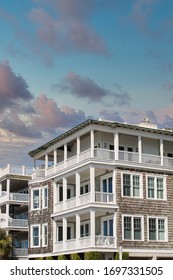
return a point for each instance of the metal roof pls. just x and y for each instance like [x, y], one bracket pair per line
[98, 122]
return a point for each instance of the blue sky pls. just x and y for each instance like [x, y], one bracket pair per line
[63, 61]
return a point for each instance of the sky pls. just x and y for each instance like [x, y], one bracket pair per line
[65, 61]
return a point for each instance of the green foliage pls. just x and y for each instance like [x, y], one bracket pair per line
[40, 259]
[49, 258]
[125, 256]
[61, 257]
[93, 256]
[75, 256]
[5, 245]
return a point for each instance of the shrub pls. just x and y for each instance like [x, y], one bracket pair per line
[62, 257]
[125, 256]
[75, 256]
[49, 258]
[93, 256]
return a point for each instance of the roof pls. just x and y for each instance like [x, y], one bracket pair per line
[98, 122]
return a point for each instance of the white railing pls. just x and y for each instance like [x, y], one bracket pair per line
[85, 155]
[19, 197]
[83, 199]
[20, 252]
[128, 156]
[38, 174]
[104, 241]
[71, 161]
[104, 154]
[18, 223]
[151, 159]
[167, 161]
[16, 169]
[104, 197]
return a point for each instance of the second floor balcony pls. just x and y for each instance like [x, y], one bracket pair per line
[16, 198]
[13, 224]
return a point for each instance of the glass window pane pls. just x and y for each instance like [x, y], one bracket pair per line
[160, 188]
[110, 184]
[152, 229]
[104, 185]
[150, 187]
[137, 229]
[111, 227]
[136, 186]
[126, 184]
[105, 228]
[127, 228]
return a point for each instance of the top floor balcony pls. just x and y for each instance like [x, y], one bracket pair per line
[16, 198]
[110, 148]
[16, 170]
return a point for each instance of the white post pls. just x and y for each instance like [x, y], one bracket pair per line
[140, 148]
[65, 155]
[120, 253]
[64, 180]
[78, 148]
[92, 183]
[0, 189]
[64, 232]
[116, 145]
[55, 159]
[46, 164]
[77, 229]
[92, 143]
[161, 150]
[8, 188]
[77, 187]
[92, 223]
[114, 185]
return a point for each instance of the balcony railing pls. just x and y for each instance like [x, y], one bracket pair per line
[15, 169]
[100, 197]
[17, 197]
[20, 252]
[85, 242]
[105, 155]
[14, 223]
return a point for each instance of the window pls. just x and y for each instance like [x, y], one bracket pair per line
[84, 188]
[44, 235]
[157, 229]
[107, 184]
[132, 228]
[84, 229]
[132, 185]
[35, 195]
[107, 227]
[45, 197]
[156, 187]
[35, 236]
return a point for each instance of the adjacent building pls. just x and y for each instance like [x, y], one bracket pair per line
[14, 206]
[102, 186]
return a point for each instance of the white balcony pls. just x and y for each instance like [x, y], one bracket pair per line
[16, 170]
[103, 242]
[107, 156]
[20, 252]
[14, 223]
[100, 197]
[14, 197]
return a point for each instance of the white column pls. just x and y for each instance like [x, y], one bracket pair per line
[115, 230]
[64, 233]
[8, 188]
[77, 187]
[46, 163]
[92, 143]
[23, 170]
[92, 223]
[161, 150]
[0, 189]
[65, 155]
[64, 192]
[140, 148]
[92, 183]
[77, 230]
[78, 148]
[55, 159]
[114, 185]
[116, 145]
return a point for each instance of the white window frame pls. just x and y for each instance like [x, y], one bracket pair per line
[31, 236]
[39, 199]
[166, 228]
[44, 236]
[106, 177]
[43, 197]
[155, 187]
[131, 185]
[132, 229]
[83, 185]
[83, 224]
